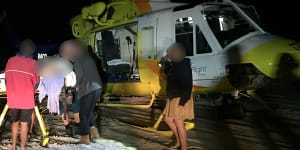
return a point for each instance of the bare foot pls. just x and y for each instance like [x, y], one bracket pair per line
[176, 146]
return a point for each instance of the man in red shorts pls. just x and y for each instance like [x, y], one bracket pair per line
[21, 82]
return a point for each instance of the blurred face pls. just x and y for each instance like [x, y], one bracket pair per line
[49, 70]
[69, 51]
[28, 48]
[176, 54]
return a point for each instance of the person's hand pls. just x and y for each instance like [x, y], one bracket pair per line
[180, 108]
[70, 97]
[166, 58]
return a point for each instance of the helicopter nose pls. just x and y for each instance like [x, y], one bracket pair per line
[276, 58]
[263, 59]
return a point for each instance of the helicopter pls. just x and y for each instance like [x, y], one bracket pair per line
[230, 53]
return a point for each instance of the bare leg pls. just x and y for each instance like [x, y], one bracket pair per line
[24, 130]
[182, 133]
[32, 122]
[66, 121]
[76, 117]
[14, 130]
[68, 127]
[171, 124]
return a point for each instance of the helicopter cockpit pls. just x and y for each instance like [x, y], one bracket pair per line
[226, 23]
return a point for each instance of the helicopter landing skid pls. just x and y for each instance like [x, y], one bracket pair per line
[154, 128]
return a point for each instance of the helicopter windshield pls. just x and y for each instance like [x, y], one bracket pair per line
[226, 23]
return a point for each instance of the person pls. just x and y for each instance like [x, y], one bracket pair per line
[70, 82]
[21, 82]
[57, 85]
[180, 105]
[89, 87]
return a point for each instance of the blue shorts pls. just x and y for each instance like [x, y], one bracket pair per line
[74, 107]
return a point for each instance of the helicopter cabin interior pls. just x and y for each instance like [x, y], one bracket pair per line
[117, 48]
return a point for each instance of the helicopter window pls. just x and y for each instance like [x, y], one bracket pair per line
[226, 23]
[117, 49]
[201, 43]
[184, 34]
[252, 13]
[147, 43]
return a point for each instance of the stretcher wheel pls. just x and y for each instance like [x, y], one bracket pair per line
[44, 141]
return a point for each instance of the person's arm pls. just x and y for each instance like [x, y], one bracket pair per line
[42, 91]
[186, 80]
[167, 66]
[35, 77]
[78, 68]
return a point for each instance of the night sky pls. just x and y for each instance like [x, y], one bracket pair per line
[44, 20]
[47, 21]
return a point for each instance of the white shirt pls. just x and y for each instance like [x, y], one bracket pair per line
[70, 79]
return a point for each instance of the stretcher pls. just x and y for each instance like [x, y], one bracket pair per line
[45, 138]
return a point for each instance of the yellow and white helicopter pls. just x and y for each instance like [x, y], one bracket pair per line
[229, 51]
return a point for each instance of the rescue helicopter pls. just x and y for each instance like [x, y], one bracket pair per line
[231, 54]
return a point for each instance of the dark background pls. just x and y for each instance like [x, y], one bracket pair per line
[47, 21]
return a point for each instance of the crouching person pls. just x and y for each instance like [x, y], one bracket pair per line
[88, 87]
[68, 98]
[21, 82]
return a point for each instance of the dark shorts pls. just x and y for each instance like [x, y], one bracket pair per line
[74, 107]
[23, 115]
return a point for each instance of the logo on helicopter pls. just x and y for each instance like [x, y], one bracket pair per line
[199, 70]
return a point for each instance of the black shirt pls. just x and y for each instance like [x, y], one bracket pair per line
[87, 75]
[179, 80]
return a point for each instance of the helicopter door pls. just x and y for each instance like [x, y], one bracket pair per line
[203, 60]
[117, 48]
